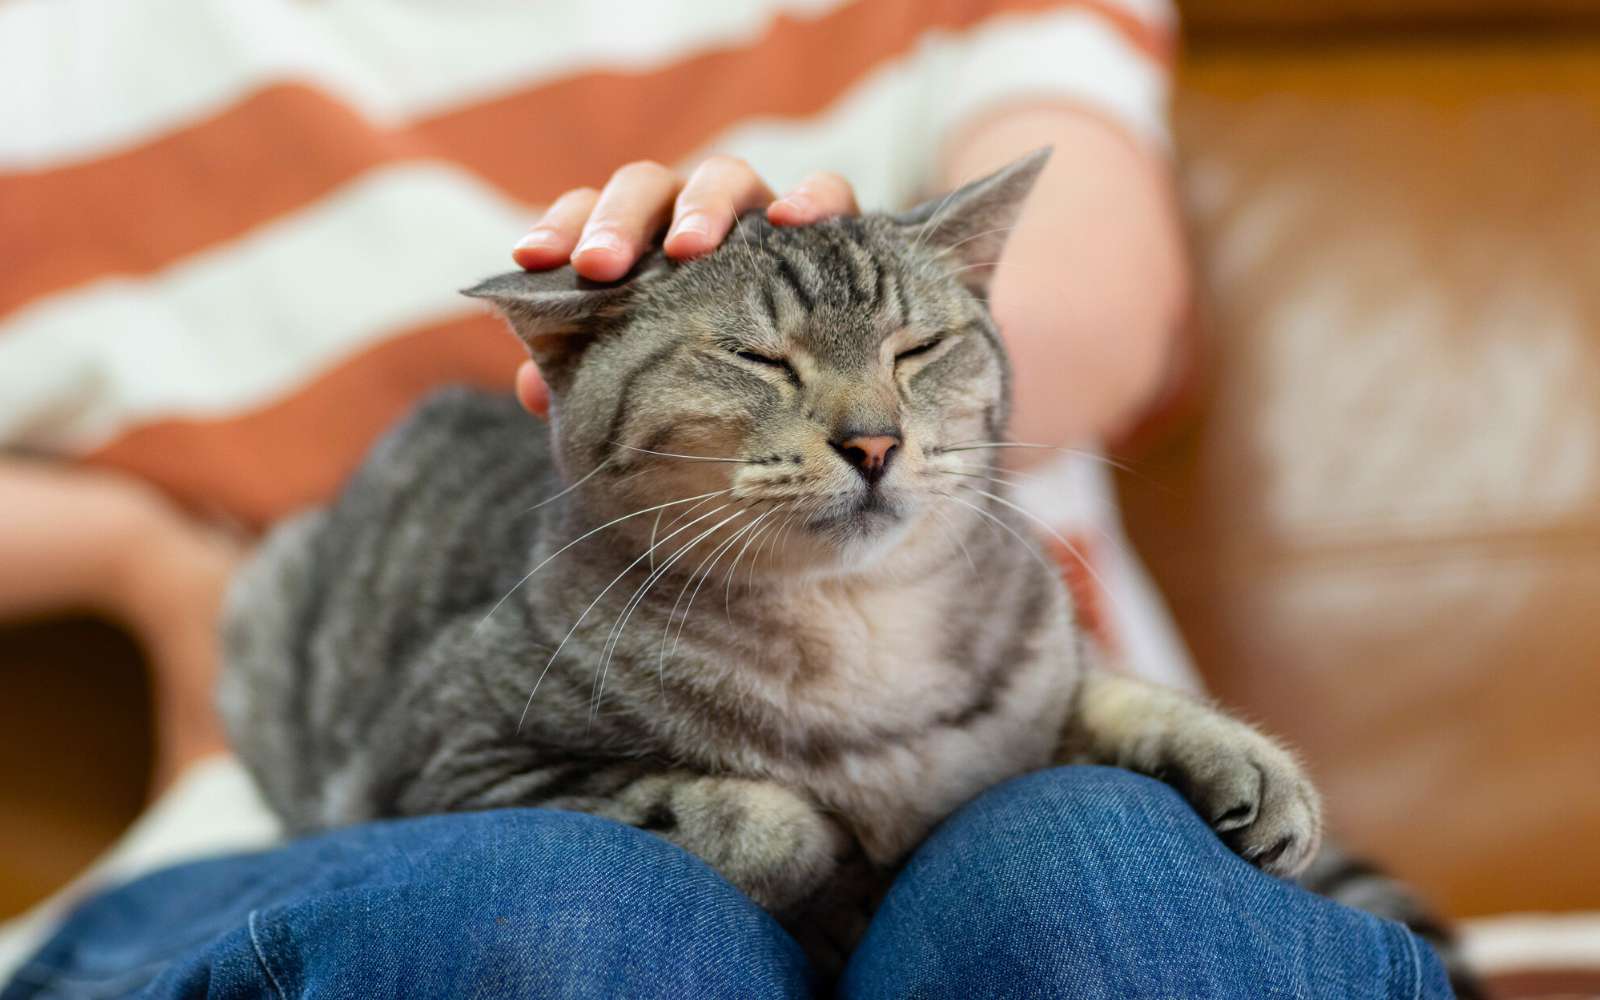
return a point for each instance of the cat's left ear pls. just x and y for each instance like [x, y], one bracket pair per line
[969, 226]
[558, 313]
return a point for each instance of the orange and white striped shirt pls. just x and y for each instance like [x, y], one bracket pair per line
[231, 232]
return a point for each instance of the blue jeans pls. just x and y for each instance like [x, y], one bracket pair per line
[1080, 882]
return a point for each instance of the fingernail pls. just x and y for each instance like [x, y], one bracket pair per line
[797, 203]
[694, 222]
[600, 240]
[537, 239]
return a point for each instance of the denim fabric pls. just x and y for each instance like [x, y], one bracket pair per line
[1098, 884]
[1077, 882]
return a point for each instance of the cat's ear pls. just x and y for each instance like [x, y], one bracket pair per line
[969, 225]
[557, 313]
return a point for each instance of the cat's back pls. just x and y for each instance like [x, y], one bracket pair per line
[436, 523]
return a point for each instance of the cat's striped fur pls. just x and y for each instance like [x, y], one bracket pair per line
[757, 649]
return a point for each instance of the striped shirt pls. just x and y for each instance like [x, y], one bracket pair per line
[232, 232]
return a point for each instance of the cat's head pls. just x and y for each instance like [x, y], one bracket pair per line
[816, 378]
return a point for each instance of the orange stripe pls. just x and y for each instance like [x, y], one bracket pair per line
[260, 466]
[137, 211]
[1088, 598]
[286, 145]
[796, 71]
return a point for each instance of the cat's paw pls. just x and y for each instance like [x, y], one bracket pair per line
[771, 842]
[1251, 790]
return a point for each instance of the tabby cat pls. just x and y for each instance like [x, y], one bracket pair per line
[753, 591]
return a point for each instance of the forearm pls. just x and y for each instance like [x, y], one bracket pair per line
[68, 538]
[1094, 286]
[73, 539]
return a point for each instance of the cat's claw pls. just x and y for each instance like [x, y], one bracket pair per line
[1252, 792]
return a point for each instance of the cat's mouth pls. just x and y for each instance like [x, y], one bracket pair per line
[866, 513]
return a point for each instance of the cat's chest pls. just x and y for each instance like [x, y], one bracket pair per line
[905, 705]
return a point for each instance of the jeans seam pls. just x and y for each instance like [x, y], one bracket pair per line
[261, 957]
[1415, 992]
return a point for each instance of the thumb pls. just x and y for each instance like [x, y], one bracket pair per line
[532, 393]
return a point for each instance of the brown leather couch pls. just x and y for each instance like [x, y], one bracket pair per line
[1379, 528]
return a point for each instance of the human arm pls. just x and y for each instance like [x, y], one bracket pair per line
[82, 540]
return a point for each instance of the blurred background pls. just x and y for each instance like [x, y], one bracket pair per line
[1375, 514]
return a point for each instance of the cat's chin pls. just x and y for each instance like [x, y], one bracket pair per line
[862, 532]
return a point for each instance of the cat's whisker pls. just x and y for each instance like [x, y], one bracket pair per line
[755, 560]
[654, 527]
[630, 477]
[575, 625]
[715, 557]
[1104, 535]
[583, 479]
[1077, 553]
[953, 535]
[1093, 456]
[727, 590]
[1002, 469]
[787, 527]
[978, 475]
[670, 562]
[593, 531]
[608, 651]
[661, 652]
[681, 456]
[1033, 549]
[690, 510]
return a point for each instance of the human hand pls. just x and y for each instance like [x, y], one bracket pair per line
[604, 233]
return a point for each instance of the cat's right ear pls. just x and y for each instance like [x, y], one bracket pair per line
[558, 313]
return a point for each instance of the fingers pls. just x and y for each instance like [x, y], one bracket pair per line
[604, 233]
[532, 393]
[820, 196]
[635, 205]
[551, 241]
[718, 191]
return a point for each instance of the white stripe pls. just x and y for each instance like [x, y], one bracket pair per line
[86, 77]
[1160, 13]
[1526, 942]
[882, 133]
[232, 327]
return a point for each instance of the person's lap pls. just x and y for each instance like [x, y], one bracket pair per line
[1080, 882]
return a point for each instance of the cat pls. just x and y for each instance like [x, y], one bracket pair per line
[751, 592]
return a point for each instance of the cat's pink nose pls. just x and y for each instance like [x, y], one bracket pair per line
[869, 453]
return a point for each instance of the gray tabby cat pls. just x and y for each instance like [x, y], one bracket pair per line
[754, 593]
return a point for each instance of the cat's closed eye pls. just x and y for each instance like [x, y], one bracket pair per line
[761, 359]
[923, 348]
[768, 361]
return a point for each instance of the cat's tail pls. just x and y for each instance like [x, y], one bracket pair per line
[1355, 882]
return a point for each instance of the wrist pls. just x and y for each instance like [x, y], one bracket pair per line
[167, 570]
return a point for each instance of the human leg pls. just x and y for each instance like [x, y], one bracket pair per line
[1091, 882]
[524, 903]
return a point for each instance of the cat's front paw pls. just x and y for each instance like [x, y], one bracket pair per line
[771, 842]
[1251, 790]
